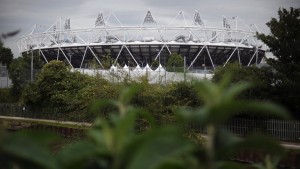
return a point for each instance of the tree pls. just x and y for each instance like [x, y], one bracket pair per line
[176, 60]
[6, 56]
[155, 64]
[19, 72]
[55, 86]
[107, 61]
[284, 42]
[115, 143]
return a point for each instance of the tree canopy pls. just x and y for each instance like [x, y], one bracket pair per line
[107, 61]
[284, 39]
[176, 60]
[6, 56]
[284, 43]
[19, 71]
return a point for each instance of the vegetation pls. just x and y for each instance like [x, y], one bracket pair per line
[19, 72]
[175, 63]
[114, 143]
[55, 88]
[284, 42]
[107, 61]
[260, 78]
[284, 39]
[280, 81]
[126, 135]
[175, 60]
[58, 90]
[6, 96]
[6, 55]
[154, 64]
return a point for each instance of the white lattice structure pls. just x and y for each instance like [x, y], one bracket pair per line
[141, 44]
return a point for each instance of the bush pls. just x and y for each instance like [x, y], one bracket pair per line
[175, 60]
[97, 88]
[260, 78]
[19, 72]
[114, 142]
[58, 90]
[54, 88]
[181, 94]
[150, 97]
[6, 96]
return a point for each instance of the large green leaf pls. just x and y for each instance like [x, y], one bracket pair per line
[103, 134]
[152, 149]
[76, 155]
[124, 130]
[261, 143]
[28, 149]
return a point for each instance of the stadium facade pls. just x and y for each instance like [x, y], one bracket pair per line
[142, 44]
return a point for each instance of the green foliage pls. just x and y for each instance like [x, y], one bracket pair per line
[114, 143]
[260, 78]
[181, 94]
[55, 87]
[107, 61]
[150, 97]
[284, 39]
[175, 60]
[155, 64]
[220, 104]
[6, 96]
[6, 56]
[162, 100]
[58, 90]
[93, 64]
[19, 72]
[284, 42]
[26, 150]
[96, 88]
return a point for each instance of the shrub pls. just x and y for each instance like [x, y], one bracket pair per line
[6, 96]
[19, 72]
[182, 94]
[260, 78]
[114, 142]
[54, 88]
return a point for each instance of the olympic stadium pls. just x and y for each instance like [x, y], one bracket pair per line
[150, 40]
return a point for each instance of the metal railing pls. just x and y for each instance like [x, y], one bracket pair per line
[281, 130]
[5, 81]
[16, 110]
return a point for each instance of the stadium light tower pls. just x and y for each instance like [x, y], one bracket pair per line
[100, 20]
[197, 19]
[148, 19]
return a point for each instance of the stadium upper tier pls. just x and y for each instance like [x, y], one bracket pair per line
[141, 44]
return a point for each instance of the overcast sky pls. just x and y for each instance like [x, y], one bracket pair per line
[23, 14]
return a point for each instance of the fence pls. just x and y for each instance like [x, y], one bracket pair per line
[5, 82]
[16, 110]
[282, 130]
